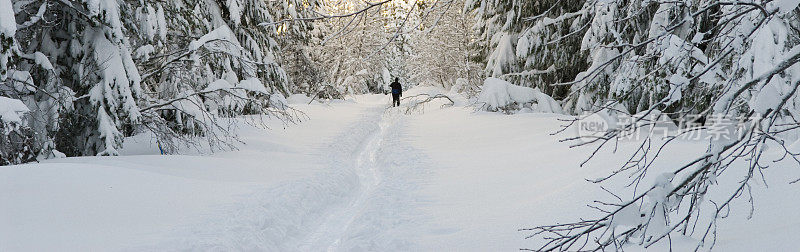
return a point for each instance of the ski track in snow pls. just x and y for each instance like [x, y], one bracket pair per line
[330, 234]
[381, 214]
[362, 202]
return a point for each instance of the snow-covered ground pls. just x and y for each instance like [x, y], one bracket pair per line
[354, 177]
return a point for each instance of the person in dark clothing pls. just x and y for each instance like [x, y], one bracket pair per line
[397, 92]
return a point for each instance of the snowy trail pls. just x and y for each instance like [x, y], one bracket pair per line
[357, 177]
[329, 235]
[358, 201]
[383, 212]
[313, 214]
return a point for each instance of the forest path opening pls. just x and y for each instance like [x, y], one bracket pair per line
[328, 236]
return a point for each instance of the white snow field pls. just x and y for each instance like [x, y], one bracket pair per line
[356, 176]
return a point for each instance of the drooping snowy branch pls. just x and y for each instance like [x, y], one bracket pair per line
[737, 68]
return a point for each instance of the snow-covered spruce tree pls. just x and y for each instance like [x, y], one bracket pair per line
[295, 37]
[17, 144]
[87, 99]
[647, 67]
[77, 65]
[208, 38]
[305, 74]
[29, 76]
[530, 43]
[722, 61]
[10, 109]
[211, 59]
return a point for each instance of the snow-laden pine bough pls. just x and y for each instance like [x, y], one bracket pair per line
[180, 121]
[762, 98]
[211, 114]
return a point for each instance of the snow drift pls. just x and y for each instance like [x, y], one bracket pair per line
[499, 95]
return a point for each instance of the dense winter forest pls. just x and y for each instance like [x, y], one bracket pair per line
[79, 77]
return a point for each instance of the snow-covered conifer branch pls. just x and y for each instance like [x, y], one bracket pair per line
[671, 70]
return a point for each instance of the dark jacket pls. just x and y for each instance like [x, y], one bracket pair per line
[396, 88]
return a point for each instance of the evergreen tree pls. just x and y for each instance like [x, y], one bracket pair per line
[98, 71]
[531, 43]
